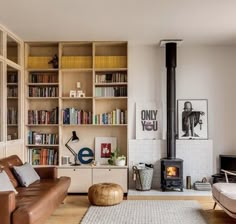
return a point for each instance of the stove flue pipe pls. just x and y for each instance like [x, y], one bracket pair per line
[171, 99]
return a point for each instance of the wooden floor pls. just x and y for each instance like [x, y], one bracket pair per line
[75, 206]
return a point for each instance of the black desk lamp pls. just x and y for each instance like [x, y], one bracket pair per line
[74, 138]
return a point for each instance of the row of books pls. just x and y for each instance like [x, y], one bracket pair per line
[12, 115]
[12, 91]
[12, 77]
[116, 116]
[111, 91]
[38, 138]
[43, 156]
[43, 91]
[76, 116]
[110, 77]
[43, 78]
[43, 116]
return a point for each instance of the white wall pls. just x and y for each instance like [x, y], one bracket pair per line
[203, 72]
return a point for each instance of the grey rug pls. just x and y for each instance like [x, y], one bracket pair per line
[146, 212]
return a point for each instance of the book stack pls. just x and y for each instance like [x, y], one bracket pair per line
[43, 77]
[43, 156]
[76, 116]
[43, 91]
[116, 116]
[43, 116]
[37, 138]
[110, 77]
[111, 91]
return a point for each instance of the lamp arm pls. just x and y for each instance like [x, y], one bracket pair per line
[70, 149]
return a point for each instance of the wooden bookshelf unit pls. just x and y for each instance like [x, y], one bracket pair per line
[85, 92]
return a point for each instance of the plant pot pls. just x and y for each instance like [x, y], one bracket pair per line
[120, 162]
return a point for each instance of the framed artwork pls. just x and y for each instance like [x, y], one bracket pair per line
[104, 146]
[147, 120]
[192, 119]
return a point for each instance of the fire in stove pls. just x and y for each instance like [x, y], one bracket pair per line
[171, 171]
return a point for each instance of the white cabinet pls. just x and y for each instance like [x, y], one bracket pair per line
[85, 176]
[117, 176]
[81, 179]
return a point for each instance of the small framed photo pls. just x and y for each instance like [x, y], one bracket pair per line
[104, 146]
[72, 93]
[193, 119]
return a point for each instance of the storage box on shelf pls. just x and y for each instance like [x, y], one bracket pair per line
[90, 91]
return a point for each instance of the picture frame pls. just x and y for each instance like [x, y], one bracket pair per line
[104, 146]
[192, 118]
[72, 93]
[148, 117]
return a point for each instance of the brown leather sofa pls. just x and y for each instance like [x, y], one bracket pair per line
[33, 204]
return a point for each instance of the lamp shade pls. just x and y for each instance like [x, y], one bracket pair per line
[75, 138]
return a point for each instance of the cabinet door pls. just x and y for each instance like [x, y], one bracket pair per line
[117, 176]
[81, 179]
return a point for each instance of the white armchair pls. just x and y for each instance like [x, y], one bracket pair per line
[224, 194]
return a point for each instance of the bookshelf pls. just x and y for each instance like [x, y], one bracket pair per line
[41, 104]
[11, 94]
[89, 92]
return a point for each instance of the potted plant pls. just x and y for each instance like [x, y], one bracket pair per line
[116, 158]
[120, 160]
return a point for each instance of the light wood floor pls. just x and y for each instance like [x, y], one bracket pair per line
[75, 206]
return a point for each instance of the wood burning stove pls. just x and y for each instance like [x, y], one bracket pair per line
[171, 174]
[171, 167]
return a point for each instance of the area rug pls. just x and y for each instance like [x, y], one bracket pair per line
[146, 212]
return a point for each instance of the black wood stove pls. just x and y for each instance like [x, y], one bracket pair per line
[171, 167]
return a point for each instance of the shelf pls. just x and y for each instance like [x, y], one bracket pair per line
[76, 69]
[76, 98]
[42, 125]
[77, 125]
[43, 69]
[12, 84]
[12, 98]
[94, 125]
[111, 98]
[43, 84]
[42, 145]
[42, 98]
[111, 84]
[110, 69]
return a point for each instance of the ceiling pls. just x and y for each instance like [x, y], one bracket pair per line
[137, 21]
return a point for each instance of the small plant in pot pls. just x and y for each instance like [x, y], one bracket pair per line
[116, 159]
[120, 160]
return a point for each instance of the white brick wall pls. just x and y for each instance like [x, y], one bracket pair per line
[197, 156]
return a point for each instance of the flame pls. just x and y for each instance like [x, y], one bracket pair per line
[171, 171]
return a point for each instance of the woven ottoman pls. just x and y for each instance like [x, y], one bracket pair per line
[105, 194]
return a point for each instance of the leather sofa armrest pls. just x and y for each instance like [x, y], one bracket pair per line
[46, 172]
[7, 206]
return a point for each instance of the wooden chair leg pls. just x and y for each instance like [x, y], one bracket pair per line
[214, 206]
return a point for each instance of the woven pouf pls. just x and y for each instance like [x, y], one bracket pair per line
[105, 194]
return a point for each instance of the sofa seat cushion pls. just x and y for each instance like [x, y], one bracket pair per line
[228, 200]
[36, 202]
[219, 188]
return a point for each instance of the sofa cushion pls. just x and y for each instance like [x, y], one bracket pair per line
[219, 188]
[7, 165]
[228, 200]
[5, 183]
[26, 174]
[35, 203]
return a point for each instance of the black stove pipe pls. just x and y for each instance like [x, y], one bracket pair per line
[171, 99]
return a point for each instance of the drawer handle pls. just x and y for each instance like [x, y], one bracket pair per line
[109, 169]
